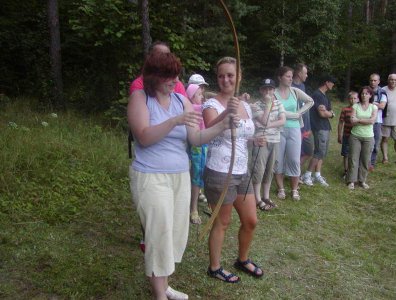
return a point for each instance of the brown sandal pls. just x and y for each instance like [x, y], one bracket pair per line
[264, 206]
[270, 202]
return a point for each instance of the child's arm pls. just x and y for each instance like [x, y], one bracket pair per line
[341, 127]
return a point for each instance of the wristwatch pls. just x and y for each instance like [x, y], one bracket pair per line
[332, 114]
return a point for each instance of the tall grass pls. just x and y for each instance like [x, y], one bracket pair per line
[69, 231]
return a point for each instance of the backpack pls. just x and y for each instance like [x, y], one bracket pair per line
[130, 135]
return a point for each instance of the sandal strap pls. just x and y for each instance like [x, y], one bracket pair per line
[269, 202]
[220, 271]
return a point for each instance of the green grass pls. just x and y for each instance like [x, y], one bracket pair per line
[68, 229]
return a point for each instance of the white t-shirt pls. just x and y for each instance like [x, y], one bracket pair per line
[390, 119]
[219, 149]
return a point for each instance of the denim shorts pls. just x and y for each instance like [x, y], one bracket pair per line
[214, 184]
[345, 146]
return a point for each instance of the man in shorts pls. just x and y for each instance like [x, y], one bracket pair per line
[380, 99]
[320, 114]
[388, 128]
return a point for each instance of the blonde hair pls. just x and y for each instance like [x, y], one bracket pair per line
[352, 93]
[226, 60]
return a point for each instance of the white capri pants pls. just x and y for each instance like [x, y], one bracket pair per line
[288, 161]
[163, 203]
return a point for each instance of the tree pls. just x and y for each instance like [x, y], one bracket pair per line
[146, 38]
[55, 53]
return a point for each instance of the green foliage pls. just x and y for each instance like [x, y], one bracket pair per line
[102, 47]
[68, 229]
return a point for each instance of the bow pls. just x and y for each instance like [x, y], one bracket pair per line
[215, 212]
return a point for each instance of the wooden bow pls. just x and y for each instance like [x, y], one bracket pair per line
[215, 212]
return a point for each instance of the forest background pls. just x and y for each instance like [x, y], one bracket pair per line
[67, 226]
[82, 54]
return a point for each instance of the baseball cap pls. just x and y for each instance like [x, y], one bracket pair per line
[329, 78]
[268, 82]
[197, 79]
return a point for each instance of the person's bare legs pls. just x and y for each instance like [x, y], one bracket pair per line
[303, 159]
[266, 189]
[194, 198]
[216, 237]
[194, 216]
[294, 182]
[318, 166]
[159, 286]
[257, 192]
[246, 209]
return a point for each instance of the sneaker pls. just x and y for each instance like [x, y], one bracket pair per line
[364, 185]
[351, 186]
[321, 180]
[175, 295]
[307, 179]
[295, 195]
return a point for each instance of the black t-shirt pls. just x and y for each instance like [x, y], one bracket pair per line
[317, 122]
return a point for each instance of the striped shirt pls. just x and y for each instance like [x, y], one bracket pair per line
[272, 135]
[345, 117]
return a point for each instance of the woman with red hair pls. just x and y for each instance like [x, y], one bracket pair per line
[361, 140]
[162, 123]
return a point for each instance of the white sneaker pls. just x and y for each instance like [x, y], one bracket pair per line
[351, 186]
[175, 295]
[321, 180]
[364, 185]
[307, 179]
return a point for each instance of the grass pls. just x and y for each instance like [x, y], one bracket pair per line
[69, 231]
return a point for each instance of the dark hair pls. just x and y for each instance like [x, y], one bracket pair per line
[298, 68]
[326, 78]
[370, 90]
[158, 43]
[158, 67]
[280, 72]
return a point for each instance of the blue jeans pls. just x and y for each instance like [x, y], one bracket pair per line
[377, 139]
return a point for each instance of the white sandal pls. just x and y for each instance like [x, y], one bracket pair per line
[295, 195]
[281, 194]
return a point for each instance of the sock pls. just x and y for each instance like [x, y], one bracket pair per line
[308, 173]
[317, 174]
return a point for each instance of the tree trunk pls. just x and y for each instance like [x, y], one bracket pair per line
[368, 11]
[146, 38]
[55, 54]
[349, 46]
[393, 55]
[384, 6]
